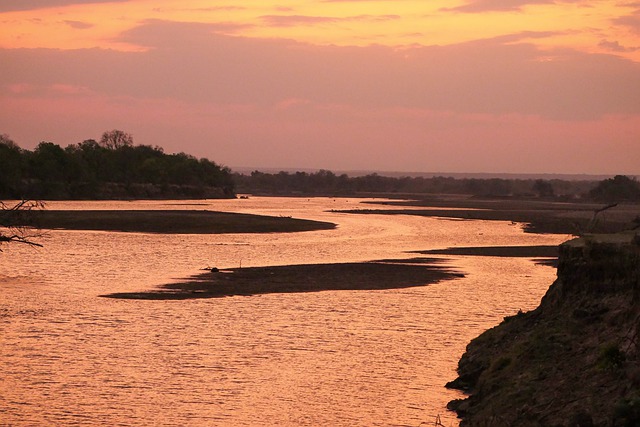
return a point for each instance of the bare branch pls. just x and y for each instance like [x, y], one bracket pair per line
[15, 223]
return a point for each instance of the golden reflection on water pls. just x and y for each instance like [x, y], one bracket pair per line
[349, 358]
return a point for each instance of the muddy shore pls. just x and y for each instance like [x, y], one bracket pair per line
[537, 216]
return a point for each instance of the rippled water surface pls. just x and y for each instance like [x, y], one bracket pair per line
[348, 358]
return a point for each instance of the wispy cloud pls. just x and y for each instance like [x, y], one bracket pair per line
[247, 93]
[492, 76]
[355, 1]
[295, 20]
[78, 25]
[631, 21]
[519, 37]
[16, 5]
[615, 46]
[155, 33]
[199, 9]
[480, 6]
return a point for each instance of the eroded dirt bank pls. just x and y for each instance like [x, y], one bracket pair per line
[573, 361]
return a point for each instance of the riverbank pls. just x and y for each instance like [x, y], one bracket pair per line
[375, 275]
[573, 361]
[171, 221]
[537, 216]
[541, 254]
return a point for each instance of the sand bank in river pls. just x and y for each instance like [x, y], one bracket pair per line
[172, 221]
[301, 278]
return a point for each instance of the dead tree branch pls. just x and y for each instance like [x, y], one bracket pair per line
[15, 222]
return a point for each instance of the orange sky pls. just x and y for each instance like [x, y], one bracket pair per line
[590, 26]
[335, 84]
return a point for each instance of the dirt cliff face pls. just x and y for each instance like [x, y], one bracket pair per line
[574, 360]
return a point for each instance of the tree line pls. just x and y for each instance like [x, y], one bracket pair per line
[324, 182]
[112, 167]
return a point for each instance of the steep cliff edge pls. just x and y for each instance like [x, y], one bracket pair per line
[574, 360]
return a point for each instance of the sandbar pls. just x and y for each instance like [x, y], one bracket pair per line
[374, 275]
[172, 221]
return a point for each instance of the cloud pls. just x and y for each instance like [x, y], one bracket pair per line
[615, 46]
[479, 6]
[296, 20]
[375, 18]
[199, 9]
[194, 63]
[630, 21]
[521, 36]
[354, 1]
[166, 34]
[15, 5]
[78, 25]
[490, 105]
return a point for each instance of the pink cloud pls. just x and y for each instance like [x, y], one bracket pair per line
[78, 25]
[480, 6]
[193, 63]
[199, 9]
[488, 105]
[631, 21]
[295, 20]
[337, 137]
[615, 46]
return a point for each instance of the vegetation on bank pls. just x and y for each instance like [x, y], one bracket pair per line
[324, 182]
[111, 168]
[617, 189]
[115, 168]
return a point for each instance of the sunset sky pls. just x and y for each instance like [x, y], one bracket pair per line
[516, 86]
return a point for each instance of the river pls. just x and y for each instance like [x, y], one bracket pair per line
[346, 358]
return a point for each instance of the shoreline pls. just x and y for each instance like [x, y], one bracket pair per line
[537, 216]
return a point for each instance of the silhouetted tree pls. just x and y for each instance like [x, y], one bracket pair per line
[12, 220]
[543, 188]
[110, 168]
[115, 139]
[11, 168]
[617, 189]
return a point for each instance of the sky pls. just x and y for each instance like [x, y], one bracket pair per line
[493, 86]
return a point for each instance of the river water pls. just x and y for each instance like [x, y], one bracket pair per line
[346, 358]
